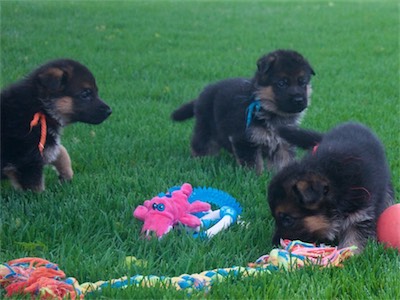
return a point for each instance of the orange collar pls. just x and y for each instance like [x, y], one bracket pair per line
[40, 118]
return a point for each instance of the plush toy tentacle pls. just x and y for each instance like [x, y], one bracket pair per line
[140, 212]
[187, 189]
[190, 220]
[199, 206]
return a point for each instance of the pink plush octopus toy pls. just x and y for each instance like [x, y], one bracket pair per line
[160, 214]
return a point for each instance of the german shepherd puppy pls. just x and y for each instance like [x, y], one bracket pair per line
[33, 112]
[336, 192]
[241, 115]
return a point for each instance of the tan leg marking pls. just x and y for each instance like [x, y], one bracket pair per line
[63, 164]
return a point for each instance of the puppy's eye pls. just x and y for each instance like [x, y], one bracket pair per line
[302, 81]
[282, 83]
[286, 220]
[86, 94]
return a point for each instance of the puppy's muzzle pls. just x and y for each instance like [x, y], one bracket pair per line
[104, 112]
[299, 102]
[99, 112]
[107, 111]
[298, 99]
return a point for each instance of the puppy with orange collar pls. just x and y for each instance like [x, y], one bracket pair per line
[33, 112]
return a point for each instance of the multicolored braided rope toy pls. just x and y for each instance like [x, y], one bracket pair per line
[43, 279]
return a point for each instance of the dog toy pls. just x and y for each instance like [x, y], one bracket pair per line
[160, 214]
[43, 279]
[219, 219]
[37, 277]
[202, 218]
[388, 227]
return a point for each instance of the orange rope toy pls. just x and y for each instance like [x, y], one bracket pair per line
[36, 277]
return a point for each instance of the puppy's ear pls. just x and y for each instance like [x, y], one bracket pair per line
[52, 79]
[312, 70]
[310, 192]
[265, 63]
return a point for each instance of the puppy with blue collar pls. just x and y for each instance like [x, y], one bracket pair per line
[241, 115]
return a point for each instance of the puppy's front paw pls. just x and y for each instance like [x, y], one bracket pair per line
[63, 165]
[66, 176]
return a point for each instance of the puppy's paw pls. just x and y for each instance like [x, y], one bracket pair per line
[63, 165]
[66, 176]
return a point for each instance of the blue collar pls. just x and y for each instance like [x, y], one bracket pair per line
[255, 105]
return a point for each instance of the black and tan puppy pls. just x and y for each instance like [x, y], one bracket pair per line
[336, 192]
[33, 112]
[241, 115]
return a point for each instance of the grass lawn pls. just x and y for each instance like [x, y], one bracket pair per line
[148, 58]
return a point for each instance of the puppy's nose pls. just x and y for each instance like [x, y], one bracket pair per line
[108, 111]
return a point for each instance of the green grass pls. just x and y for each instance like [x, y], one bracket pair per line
[148, 58]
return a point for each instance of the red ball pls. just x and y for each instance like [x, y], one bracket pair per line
[388, 227]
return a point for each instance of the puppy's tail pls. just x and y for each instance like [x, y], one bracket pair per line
[186, 111]
[302, 138]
